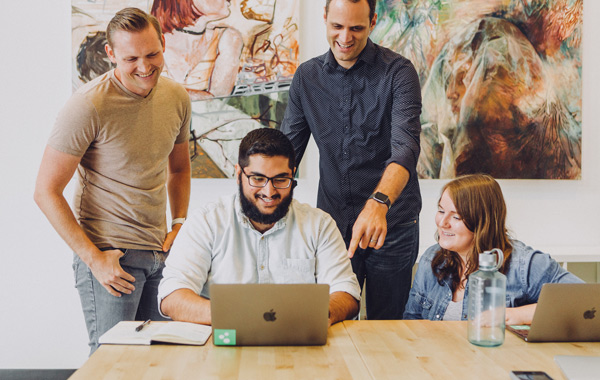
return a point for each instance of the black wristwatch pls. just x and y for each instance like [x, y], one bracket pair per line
[381, 198]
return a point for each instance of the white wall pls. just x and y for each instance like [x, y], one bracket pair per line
[41, 324]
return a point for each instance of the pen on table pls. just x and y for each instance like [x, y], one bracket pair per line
[140, 327]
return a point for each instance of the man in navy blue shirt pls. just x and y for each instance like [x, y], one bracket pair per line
[362, 102]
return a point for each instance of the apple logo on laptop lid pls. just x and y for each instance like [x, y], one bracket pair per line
[269, 316]
[590, 314]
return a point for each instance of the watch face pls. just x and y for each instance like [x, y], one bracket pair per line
[381, 197]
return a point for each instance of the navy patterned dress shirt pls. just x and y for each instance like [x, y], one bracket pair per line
[362, 119]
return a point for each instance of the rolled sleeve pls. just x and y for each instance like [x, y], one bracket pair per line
[189, 261]
[406, 111]
[333, 266]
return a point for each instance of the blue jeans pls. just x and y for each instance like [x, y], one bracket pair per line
[103, 310]
[388, 270]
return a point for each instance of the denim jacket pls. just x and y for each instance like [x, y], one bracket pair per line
[528, 271]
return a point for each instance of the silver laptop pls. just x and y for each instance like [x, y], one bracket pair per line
[269, 314]
[579, 367]
[564, 313]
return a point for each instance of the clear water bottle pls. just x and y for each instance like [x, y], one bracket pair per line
[487, 301]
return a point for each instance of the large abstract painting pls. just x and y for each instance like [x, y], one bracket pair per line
[236, 58]
[501, 83]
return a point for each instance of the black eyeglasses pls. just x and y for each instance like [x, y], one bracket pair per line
[261, 181]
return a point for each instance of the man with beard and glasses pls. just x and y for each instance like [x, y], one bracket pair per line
[259, 235]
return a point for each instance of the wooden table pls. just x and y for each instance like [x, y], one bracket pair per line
[435, 350]
[354, 350]
[338, 359]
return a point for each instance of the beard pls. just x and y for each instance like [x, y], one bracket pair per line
[253, 213]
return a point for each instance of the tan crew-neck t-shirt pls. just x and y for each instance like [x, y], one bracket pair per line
[124, 141]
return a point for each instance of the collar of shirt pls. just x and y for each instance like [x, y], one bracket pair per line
[368, 56]
[246, 221]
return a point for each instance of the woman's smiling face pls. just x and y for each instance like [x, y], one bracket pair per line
[452, 231]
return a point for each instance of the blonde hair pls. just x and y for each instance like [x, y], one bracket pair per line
[131, 20]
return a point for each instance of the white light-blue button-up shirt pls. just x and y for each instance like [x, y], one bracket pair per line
[218, 244]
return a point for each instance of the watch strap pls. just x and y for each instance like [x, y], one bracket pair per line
[381, 198]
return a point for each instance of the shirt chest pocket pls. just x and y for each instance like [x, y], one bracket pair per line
[294, 271]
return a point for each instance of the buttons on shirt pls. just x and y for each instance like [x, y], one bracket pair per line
[333, 99]
[262, 261]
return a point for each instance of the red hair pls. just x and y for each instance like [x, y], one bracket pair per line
[175, 14]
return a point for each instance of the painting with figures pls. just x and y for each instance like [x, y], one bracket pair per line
[236, 59]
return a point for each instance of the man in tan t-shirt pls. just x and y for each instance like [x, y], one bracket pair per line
[126, 133]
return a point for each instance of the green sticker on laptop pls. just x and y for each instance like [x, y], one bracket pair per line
[224, 337]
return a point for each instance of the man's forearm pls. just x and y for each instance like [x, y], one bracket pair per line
[370, 228]
[187, 306]
[342, 306]
[179, 180]
[392, 182]
[178, 188]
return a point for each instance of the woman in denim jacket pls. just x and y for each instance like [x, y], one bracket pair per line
[471, 219]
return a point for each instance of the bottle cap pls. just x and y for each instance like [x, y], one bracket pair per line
[487, 260]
